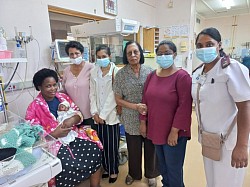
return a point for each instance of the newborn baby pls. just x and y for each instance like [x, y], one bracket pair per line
[64, 112]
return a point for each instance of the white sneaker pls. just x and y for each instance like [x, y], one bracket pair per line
[152, 182]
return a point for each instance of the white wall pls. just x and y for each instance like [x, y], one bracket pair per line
[232, 37]
[198, 28]
[182, 13]
[25, 13]
[130, 9]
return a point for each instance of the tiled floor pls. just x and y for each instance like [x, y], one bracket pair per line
[193, 168]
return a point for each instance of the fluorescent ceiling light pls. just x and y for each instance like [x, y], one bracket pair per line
[227, 3]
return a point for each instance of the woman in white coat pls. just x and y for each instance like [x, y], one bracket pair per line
[224, 93]
[103, 110]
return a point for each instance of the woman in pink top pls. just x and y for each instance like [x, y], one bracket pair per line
[167, 94]
[76, 80]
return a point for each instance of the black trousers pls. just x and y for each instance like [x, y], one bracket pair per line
[134, 144]
[88, 121]
[110, 138]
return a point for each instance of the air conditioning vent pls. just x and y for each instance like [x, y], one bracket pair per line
[198, 20]
[223, 11]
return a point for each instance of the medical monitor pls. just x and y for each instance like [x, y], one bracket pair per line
[61, 55]
[60, 50]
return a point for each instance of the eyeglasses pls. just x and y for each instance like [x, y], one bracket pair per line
[135, 52]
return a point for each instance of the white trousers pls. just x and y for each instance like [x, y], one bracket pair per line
[221, 173]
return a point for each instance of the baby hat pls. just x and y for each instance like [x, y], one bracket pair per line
[65, 103]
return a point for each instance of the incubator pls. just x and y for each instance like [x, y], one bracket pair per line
[111, 32]
[26, 157]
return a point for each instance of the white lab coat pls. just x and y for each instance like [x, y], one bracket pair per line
[220, 89]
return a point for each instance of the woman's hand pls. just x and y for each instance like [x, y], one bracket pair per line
[240, 151]
[173, 137]
[101, 121]
[96, 118]
[60, 131]
[142, 108]
[143, 129]
[68, 123]
[239, 156]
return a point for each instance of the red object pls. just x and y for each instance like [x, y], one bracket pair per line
[5, 54]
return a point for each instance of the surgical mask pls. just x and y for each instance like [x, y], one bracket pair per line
[207, 55]
[165, 61]
[103, 62]
[76, 61]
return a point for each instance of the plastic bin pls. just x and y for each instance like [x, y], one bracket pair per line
[5, 54]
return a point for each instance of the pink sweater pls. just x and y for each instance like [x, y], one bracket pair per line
[38, 113]
[78, 88]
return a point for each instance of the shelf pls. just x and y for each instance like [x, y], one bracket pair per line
[13, 60]
[64, 63]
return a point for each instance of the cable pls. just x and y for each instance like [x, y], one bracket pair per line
[26, 68]
[6, 86]
[39, 54]
[18, 112]
[21, 91]
[21, 80]
[22, 83]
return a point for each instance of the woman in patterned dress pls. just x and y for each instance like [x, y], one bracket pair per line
[128, 88]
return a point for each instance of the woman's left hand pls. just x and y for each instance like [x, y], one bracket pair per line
[239, 156]
[173, 137]
[143, 129]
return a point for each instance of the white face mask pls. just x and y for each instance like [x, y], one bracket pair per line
[76, 61]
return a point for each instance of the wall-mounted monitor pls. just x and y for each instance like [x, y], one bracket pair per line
[61, 54]
[129, 26]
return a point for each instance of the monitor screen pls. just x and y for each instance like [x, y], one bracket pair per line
[129, 27]
[61, 53]
[60, 49]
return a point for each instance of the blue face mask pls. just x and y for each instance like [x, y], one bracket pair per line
[165, 61]
[207, 55]
[103, 62]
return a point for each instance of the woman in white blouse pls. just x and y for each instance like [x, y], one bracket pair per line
[103, 110]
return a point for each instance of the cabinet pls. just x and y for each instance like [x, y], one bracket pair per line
[150, 39]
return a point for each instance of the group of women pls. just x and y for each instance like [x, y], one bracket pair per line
[156, 111]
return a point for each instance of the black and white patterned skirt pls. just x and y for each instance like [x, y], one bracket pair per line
[80, 159]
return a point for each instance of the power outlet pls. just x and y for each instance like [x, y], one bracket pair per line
[12, 87]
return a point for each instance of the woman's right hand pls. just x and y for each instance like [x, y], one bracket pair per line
[60, 132]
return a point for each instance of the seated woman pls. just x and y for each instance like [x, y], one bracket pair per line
[83, 156]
